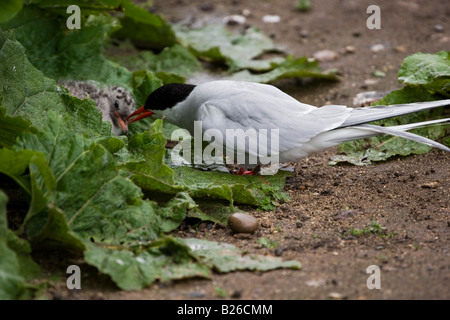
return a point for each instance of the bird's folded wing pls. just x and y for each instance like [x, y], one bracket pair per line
[296, 123]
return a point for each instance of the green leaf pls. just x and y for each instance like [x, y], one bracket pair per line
[90, 204]
[165, 259]
[62, 54]
[9, 9]
[14, 164]
[144, 28]
[172, 64]
[11, 128]
[290, 68]
[54, 231]
[26, 92]
[24, 89]
[241, 52]
[225, 257]
[176, 59]
[431, 71]
[86, 185]
[86, 7]
[144, 82]
[151, 173]
[16, 264]
[67, 54]
[260, 191]
[217, 44]
[112, 144]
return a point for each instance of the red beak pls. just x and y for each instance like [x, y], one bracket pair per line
[142, 114]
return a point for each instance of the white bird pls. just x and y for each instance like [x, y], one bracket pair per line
[114, 102]
[303, 129]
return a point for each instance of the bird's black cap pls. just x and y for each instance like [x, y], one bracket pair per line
[168, 96]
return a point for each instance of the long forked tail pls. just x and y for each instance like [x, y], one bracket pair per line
[369, 114]
[400, 131]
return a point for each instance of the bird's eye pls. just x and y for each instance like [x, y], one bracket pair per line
[116, 105]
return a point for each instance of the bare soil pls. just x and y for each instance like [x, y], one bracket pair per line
[407, 196]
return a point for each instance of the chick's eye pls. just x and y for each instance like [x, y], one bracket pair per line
[116, 105]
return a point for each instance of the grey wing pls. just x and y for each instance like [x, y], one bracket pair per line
[294, 122]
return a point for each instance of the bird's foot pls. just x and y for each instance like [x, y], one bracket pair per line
[244, 172]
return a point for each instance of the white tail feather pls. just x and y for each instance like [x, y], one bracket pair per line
[369, 114]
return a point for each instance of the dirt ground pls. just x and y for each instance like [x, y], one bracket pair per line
[407, 196]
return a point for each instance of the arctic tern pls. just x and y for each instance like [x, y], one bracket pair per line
[303, 129]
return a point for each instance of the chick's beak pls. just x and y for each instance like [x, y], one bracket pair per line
[123, 124]
[141, 113]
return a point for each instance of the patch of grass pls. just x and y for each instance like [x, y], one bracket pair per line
[278, 227]
[304, 5]
[221, 293]
[267, 243]
[373, 228]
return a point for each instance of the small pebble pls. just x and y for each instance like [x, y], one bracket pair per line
[430, 185]
[196, 295]
[400, 48]
[325, 55]
[304, 33]
[278, 251]
[370, 82]
[242, 223]
[234, 19]
[345, 214]
[377, 47]
[364, 99]
[439, 28]
[236, 294]
[336, 295]
[350, 49]
[379, 74]
[206, 6]
[271, 19]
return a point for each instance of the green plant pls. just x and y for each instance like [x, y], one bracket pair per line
[373, 228]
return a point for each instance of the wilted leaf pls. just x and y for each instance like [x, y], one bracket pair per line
[164, 259]
[290, 68]
[225, 257]
[217, 44]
